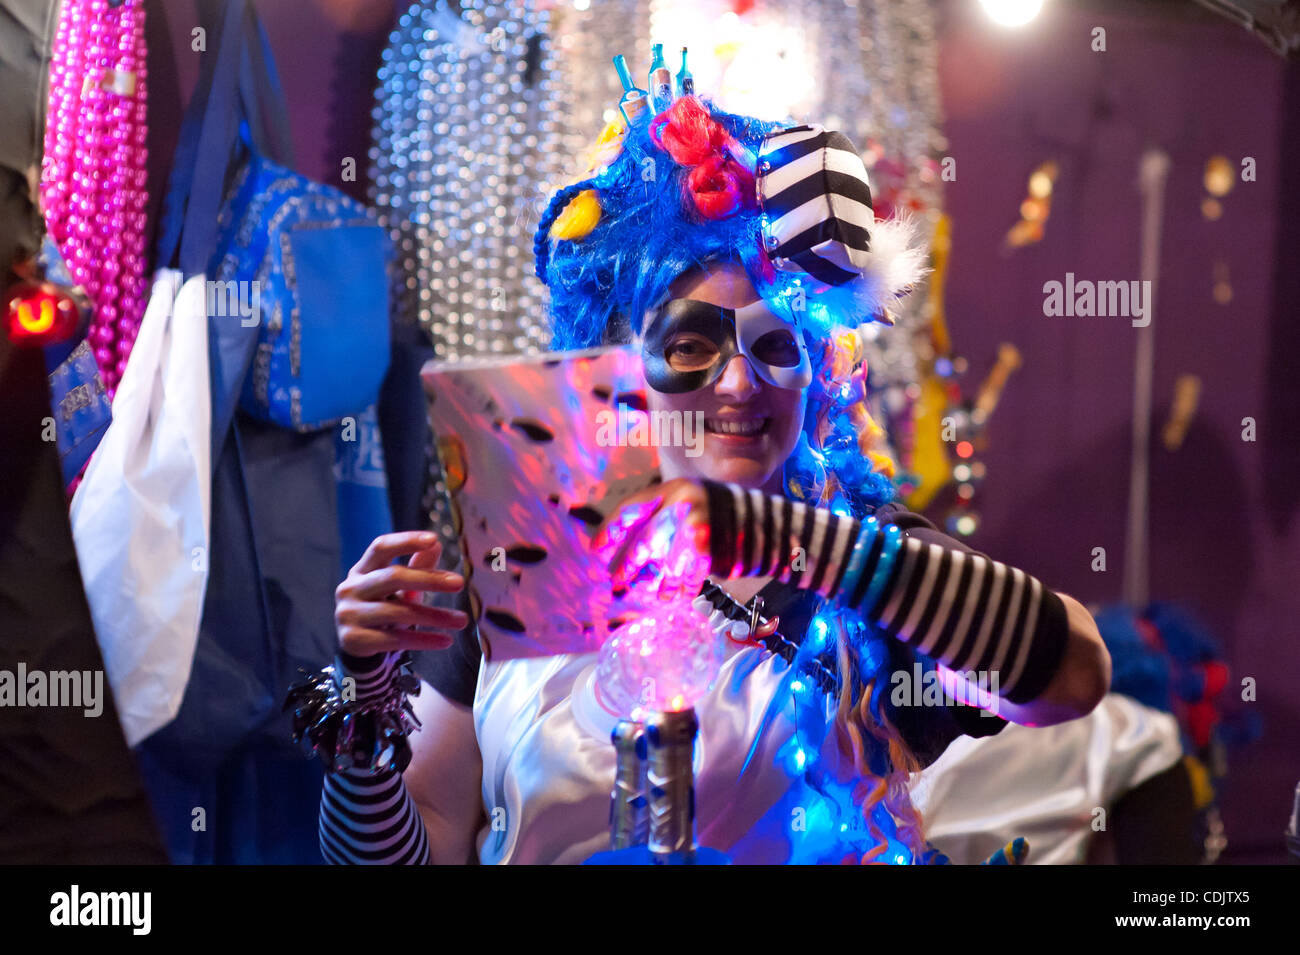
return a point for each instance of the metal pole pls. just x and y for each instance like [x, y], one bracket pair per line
[1153, 172]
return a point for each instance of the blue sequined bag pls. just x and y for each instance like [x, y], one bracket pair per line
[309, 265]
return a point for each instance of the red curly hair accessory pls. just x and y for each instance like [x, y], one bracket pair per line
[718, 185]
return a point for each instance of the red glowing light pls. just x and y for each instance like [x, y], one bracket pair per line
[964, 449]
[40, 315]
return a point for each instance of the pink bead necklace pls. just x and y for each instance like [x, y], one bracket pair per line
[93, 175]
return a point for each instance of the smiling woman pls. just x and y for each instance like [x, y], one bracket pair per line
[751, 424]
[745, 313]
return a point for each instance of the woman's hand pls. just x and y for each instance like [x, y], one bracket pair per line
[657, 540]
[377, 608]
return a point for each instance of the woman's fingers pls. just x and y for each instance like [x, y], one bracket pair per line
[629, 549]
[365, 641]
[620, 569]
[380, 584]
[625, 519]
[386, 548]
[664, 525]
[671, 547]
[370, 621]
[426, 559]
[393, 613]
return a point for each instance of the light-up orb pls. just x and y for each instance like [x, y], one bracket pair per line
[663, 661]
[1012, 13]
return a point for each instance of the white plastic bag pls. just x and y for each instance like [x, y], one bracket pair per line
[140, 518]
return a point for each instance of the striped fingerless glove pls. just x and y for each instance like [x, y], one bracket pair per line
[370, 818]
[962, 609]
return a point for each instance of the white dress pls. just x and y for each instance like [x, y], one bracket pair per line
[1043, 783]
[548, 763]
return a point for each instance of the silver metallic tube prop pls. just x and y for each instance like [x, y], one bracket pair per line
[629, 819]
[671, 779]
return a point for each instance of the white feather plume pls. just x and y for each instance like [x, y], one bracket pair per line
[895, 263]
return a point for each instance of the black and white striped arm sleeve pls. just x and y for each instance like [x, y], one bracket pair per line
[964, 610]
[370, 818]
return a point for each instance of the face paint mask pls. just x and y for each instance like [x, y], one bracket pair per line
[686, 345]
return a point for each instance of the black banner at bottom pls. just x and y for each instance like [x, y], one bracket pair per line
[332, 906]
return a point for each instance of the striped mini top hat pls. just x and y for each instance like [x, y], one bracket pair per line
[817, 222]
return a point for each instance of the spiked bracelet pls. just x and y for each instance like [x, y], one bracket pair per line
[366, 731]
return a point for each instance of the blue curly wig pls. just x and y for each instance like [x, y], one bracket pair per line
[649, 233]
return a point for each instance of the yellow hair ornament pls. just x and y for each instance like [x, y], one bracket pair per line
[607, 146]
[578, 218]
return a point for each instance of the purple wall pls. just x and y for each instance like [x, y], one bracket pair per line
[1059, 444]
[1058, 454]
[327, 52]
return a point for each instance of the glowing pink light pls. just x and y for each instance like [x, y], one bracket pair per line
[665, 661]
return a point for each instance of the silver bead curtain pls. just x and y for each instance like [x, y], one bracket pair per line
[464, 146]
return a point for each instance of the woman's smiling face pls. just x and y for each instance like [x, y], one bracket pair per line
[750, 425]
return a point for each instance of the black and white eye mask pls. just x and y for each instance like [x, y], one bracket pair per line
[686, 345]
